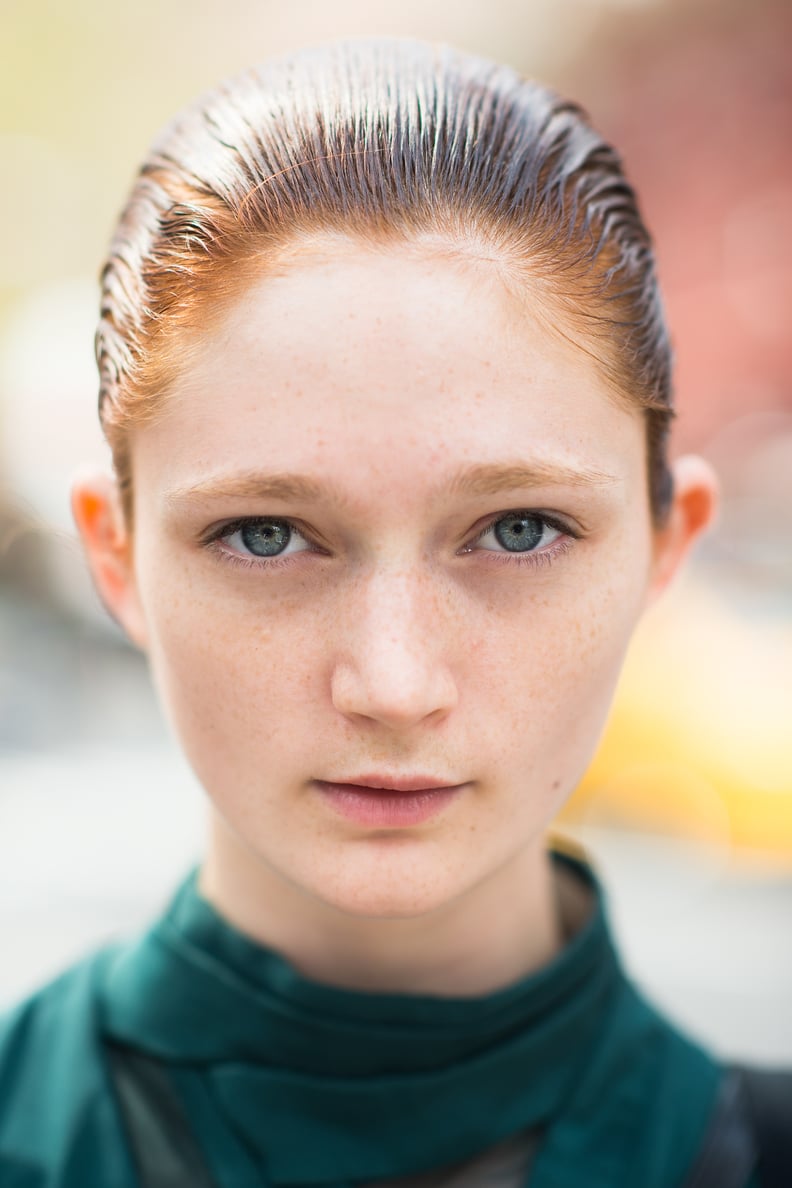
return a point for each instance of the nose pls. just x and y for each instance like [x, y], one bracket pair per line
[390, 668]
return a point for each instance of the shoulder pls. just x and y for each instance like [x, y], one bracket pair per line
[56, 1106]
[41, 1031]
[768, 1104]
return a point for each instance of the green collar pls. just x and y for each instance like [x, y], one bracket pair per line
[327, 1085]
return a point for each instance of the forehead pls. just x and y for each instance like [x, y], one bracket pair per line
[423, 356]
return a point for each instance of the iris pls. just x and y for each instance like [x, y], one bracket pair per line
[519, 533]
[265, 538]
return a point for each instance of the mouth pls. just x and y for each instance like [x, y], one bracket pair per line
[387, 802]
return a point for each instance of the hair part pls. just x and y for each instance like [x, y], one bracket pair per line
[391, 141]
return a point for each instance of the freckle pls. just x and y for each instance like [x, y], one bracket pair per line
[556, 784]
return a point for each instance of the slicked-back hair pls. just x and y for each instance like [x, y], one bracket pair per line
[386, 140]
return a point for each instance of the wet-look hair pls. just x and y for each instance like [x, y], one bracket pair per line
[386, 141]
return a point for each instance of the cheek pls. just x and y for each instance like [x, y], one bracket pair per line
[547, 671]
[236, 676]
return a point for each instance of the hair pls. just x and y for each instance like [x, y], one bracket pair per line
[389, 141]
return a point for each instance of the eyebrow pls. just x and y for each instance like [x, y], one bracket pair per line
[483, 479]
[252, 485]
[488, 479]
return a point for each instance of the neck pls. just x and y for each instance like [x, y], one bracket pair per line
[494, 934]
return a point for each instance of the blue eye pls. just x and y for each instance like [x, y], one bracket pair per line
[519, 532]
[263, 538]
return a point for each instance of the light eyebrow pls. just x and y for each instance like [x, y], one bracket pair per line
[488, 479]
[484, 479]
[253, 485]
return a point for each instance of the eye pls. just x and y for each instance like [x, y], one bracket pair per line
[520, 532]
[262, 538]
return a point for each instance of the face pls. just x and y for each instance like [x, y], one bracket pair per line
[390, 531]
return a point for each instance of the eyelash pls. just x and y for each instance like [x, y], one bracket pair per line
[535, 558]
[538, 558]
[213, 542]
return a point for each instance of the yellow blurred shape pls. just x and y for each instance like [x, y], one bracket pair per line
[699, 741]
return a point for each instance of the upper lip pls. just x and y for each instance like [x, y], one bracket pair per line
[391, 783]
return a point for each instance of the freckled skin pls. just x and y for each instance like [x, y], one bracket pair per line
[392, 650]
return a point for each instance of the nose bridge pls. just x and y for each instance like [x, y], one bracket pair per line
[392, 667]
[397, 622]
[396, 602]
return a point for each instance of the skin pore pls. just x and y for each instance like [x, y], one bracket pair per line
[388, 417]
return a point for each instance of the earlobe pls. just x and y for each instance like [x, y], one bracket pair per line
[693, 509]
[97, 512]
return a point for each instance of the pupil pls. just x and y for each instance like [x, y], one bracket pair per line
[265, 538]
[519, 534]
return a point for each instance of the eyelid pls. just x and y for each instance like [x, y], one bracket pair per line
[229, 527]
[551, 519]
[214, 536]
[215, 540]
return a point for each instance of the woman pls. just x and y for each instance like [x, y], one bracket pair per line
[387, 385]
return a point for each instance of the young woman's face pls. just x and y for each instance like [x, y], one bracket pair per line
[391, 530]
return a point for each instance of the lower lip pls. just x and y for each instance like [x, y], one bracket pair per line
[384, 808]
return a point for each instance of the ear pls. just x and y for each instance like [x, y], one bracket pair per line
[98, 514]
[693, 508]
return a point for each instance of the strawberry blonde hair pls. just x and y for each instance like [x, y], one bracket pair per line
[390, 141]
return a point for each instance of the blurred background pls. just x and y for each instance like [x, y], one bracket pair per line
[687, 808]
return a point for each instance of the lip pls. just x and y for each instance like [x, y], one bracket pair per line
[405, 783]
[388, 802]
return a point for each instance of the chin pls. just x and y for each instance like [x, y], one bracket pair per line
[389, 887]
[375, 903]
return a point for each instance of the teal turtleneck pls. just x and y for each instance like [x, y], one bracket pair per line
[289, 1082]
